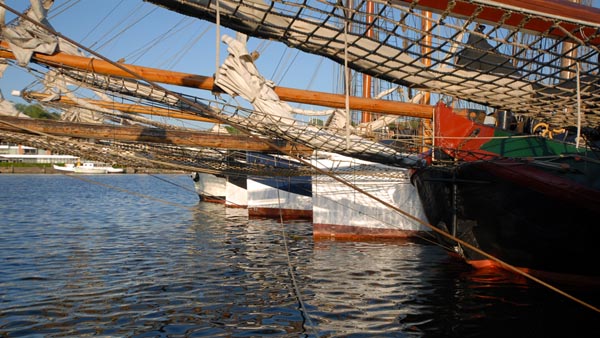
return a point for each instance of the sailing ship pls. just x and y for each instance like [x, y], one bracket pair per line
[538, 62]
[526, 199]
[262, 191]
[501, 189]
[219, 187]
[324, 139]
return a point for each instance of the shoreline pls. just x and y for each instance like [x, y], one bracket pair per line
[50, 170]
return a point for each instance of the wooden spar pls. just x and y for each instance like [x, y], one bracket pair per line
[62, 60]
[550, 8]
[426, 49]
[569, 50]
[142, 134]
[367, 84]
[126, 108]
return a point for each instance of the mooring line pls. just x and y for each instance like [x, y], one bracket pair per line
[291, 270]
[191, 208]
[171, 182]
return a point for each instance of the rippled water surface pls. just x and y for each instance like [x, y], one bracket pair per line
[139, 256]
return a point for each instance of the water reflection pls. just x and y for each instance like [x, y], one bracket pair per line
[98, 261]
[371, 288]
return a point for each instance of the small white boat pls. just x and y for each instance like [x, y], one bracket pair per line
[87, 168]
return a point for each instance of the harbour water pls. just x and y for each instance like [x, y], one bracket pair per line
[140, 256]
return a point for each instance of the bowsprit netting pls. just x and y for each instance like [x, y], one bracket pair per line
[506, 65]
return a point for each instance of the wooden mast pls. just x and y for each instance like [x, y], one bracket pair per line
[366, 79]
[427, 126]
[62, 60]
[569, 53]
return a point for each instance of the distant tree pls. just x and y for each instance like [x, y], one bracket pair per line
[316, 122]
[232, 130]
[36, 111]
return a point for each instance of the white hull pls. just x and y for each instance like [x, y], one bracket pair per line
[339, 211]
[209, 187]
[66, 167]
[90, 171]
[236, 194]
[223, 190]
[267, 201]
[278, 196]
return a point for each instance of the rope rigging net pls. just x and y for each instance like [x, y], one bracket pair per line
[524, 61]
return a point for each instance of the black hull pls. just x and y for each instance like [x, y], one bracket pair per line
[541, 222]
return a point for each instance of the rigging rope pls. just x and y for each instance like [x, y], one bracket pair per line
[578, 136]
[297, 291]
[118, 34]
[108, 15]
[218, 41]
[346, 78]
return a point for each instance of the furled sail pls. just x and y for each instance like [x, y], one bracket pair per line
[239, 76]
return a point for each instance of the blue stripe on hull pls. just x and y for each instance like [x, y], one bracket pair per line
[300, 185]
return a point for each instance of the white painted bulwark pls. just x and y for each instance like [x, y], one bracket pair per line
[341, 211]
[269, 200]
[236, 194]
[286, 196]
